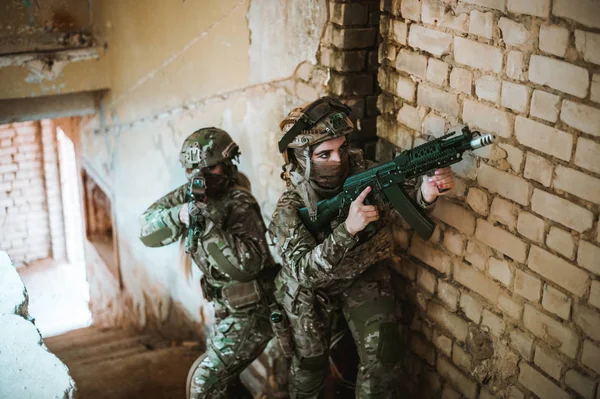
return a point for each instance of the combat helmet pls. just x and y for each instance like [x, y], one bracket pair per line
[207, 147]
[324, 119]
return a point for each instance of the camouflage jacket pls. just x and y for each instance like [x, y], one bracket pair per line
[232, 224]
[322, 260]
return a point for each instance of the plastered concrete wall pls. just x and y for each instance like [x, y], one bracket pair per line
[27, 369]
[504, 299]
[175, 69]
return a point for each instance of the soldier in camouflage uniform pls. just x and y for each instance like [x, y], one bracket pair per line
[226, 239]
[345, 270]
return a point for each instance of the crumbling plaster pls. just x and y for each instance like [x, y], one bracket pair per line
[174, 70]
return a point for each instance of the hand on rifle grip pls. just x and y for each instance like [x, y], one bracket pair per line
[360, 215]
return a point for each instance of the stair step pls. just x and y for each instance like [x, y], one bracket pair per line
[89, 336]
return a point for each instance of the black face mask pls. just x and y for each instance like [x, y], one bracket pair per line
[216, 185]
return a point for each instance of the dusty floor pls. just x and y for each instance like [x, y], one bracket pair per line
[58, 296]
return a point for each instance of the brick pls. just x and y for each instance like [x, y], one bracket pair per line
[557, 270]
[595, 91]
[588, 44]
[546, 361]
[510, 307]
[587, 154]
[545, 105]
[442, 342]
[350, 38]
[580, 384]
[426, 280]
[411, 9]
[527, 286]
[505, 184]
[488, 88]
[514, 65]
[477, 55]
[454, 242]
[559, 75]
[340, 60]
[461, 358]
[461, 80]
[465, 385]
[429, 40]
[581, 117]
[395, 133]
[513, 32]
[478, 201]
[351, 85]
[561, 241]
[588, 256]
[348, 14]
[396, 84]
[434, 125]
[544, 138]
[437, 72]
[515, 96]
[556, 302]
[454, 324]
[412, 63]
[494, 323]
[588, 320]
[481, 24]
[434, 258]
[398, 31]
[538, 168]
[554, 39]
[422, 349]
[449, 295]
[410, 117]
[455, 215]
[437, 99]
[8, 168]
[478, 254]
[467, 168]
[583, 11]
[435, 13]
[500, 271]
[595, 294]
[522, 343]
[495, 4]
[487, 118]
[577, 183]
[539, 8]
[553, 332]
[561, 211]
[504, 212]
[590, 356]
[476, 281]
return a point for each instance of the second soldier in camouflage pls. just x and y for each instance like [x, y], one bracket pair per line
[226, 240]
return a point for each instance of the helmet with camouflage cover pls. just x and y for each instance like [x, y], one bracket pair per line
[207, 147]
[304, 127]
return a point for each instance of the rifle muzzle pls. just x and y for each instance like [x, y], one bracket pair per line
[482, 141]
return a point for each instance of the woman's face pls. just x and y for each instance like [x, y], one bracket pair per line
[330, 151]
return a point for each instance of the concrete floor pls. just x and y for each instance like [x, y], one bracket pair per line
[58, 296]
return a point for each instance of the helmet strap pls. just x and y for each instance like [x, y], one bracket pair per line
[307, 163]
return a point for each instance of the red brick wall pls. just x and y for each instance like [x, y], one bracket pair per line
[30, 201]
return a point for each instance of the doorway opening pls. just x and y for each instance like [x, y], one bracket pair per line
[44, 223]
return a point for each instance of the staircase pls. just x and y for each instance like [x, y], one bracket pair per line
[124, 364]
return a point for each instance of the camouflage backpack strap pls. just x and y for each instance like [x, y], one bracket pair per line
[236, 274]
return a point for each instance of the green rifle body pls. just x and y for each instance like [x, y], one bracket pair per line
[387, 179]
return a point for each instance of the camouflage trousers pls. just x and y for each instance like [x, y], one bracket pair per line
[237, 340]
[369, 308]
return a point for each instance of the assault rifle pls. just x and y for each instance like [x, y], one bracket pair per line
[196, 191]
[387, 180]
